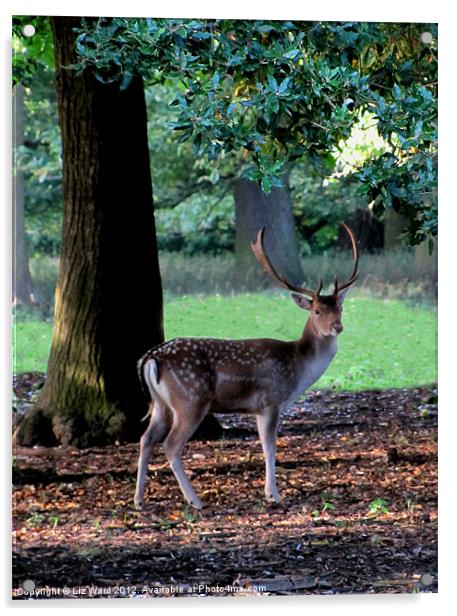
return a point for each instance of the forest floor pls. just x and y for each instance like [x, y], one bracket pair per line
[358, 477]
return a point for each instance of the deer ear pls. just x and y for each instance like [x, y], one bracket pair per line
[342, 295]
[301, 301]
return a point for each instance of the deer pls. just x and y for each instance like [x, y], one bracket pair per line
[186, 378]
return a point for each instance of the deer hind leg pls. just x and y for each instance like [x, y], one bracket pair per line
[184, 425]
[158, 427]
[267, 425]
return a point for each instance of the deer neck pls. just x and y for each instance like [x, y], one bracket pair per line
[313, 344]
[315, 353]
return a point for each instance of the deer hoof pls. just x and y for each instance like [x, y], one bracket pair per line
[138, 504]
[273, 498]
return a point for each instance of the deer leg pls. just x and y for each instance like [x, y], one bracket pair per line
[267, 425]
[158, 427]
[184, 425]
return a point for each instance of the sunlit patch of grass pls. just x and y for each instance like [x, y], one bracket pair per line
[31, 345]
[386, 343]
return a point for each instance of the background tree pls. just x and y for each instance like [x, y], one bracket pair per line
[255, 209]
[23, 292]
[37, 181]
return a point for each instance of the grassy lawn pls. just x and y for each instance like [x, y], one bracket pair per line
[386, 343]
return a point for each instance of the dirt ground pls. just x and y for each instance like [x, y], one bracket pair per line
[358, 477]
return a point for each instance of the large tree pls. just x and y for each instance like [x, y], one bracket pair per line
[108, 298]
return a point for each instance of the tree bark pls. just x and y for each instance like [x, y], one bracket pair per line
[253, 210]
[394, 225]
[23, 292]
[108, 303]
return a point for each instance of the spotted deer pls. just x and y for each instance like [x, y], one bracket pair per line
[189, 377]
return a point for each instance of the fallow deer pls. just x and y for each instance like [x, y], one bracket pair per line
[190, 377]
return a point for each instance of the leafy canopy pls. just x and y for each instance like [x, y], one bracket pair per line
[278, 90]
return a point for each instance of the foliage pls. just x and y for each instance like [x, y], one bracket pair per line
[327, 502]
[323, 188]
[377, 506]
[192, 209]
[31, 53]
[194, 202]
[40, 160]
[278, 90]
[177, 172]
[319, 205]
[201, 224]
[399, 351]
[193, 199]
[39, 157]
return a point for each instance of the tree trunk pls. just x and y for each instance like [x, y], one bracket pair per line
[426, 265]
[22, 281]
[394, 225]
[255, 209]
[108, 303]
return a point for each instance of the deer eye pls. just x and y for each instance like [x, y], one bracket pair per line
[317, 312]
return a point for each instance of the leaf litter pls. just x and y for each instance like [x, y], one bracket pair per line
[358, 477]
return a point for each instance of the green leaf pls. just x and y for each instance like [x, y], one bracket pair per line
[251, 173]
[196, 145]
[201, 35]
[216, 79]
[292, 54]
[272, 82]
[418, 129]
[283, 85]
[266, 184]
[396, 92]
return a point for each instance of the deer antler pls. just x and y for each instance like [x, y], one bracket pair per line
[355, 254]
[262, 258]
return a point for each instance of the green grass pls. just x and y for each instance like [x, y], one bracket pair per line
[386, 343]
[31, 344]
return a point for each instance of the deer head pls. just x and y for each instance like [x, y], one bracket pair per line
[325, 310]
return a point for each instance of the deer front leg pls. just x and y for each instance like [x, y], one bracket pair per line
[267, 425]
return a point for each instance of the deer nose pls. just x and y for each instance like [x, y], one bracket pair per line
[338, 327]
